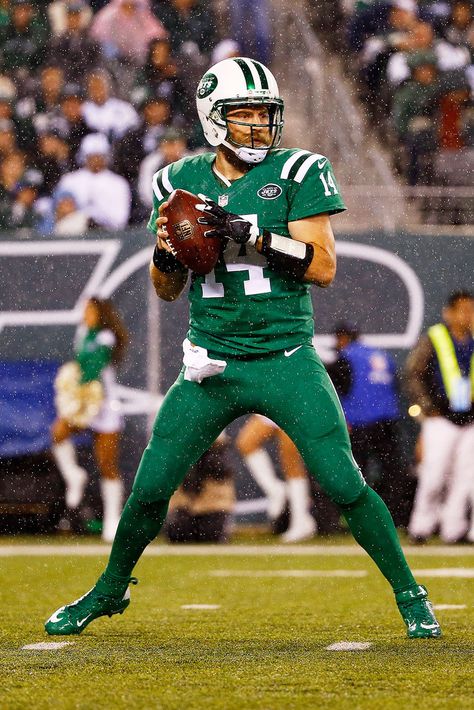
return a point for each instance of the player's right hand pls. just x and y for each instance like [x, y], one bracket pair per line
[161, 233]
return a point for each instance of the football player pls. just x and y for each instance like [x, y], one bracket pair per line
[249, 344]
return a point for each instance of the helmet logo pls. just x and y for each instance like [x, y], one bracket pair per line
[270, 191]
[207, 85]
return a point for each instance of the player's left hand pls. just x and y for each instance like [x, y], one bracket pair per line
[226, 225]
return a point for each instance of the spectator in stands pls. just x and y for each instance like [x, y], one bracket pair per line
[12, 110]
[77, 53]
[58, 15]
[366, 381]
[23, 215]
[145, 139]
[161, 77]
[105, 113]
[103, 195]
[439, 378]
[375, 33]
[201, 508]
[422, 38]
[415, 114]
[69, 220]
[52, 159]
[71, 124]
[47, 97]
[23, 40]
[190, 24]
[251, 27]
[12, 169]
[460, 30]
[125, 28]
[8, 141]
[173, 147]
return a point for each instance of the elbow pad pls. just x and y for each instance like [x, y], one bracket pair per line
[286, 255]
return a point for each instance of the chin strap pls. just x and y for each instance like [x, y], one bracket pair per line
[248, 155]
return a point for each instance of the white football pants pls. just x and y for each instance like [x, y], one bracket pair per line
[445, 492]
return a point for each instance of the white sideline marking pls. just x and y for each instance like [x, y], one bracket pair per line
[460, 572]
[349, 646]
[288, 573]
[70, 550]
[200, 606]
[46, 646]
[449, 606]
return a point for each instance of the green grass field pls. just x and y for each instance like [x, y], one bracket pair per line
[264, 648]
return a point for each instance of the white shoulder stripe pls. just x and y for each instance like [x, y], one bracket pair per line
[156, 189]
[290, 162]
[306, 166]
[166, 181]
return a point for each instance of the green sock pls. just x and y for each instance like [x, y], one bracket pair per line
[373, 528]
[139, 524]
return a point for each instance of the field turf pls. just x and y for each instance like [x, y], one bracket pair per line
[265, 648]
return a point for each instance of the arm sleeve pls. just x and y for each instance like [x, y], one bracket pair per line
[314, 189]
[163, 184]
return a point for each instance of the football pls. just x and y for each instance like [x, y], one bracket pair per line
[186, 236]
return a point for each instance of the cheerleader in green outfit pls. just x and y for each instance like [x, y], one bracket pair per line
[85, 401]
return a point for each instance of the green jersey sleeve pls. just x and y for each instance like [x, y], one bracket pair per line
[314, 189]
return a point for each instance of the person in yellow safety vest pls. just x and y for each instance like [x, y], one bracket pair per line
[440, 380]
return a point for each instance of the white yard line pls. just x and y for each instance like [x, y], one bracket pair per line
[349, 646]
[442, 607]
[70, 550]
[288, 573]
[460, 572]
[204, 607]
[46, 646]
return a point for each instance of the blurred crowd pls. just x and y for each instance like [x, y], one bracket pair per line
[414, 62]
[96, 96]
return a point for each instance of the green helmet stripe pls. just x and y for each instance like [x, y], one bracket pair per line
[246, 72]
[261, 74]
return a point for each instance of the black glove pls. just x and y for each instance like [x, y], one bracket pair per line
[226, 225]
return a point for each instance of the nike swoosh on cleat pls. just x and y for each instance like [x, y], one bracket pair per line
[429, 626]
[322, 163]
[79, 622]
[290, 352]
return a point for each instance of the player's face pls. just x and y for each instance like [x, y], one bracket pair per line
[461, 315]
[249, 126]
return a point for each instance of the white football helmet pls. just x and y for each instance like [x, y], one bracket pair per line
[239, 82]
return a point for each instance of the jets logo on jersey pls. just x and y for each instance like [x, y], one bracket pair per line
[183, 230]
[270, 191]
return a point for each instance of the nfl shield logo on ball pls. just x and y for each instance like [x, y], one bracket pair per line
[270, 191]
[183, 230]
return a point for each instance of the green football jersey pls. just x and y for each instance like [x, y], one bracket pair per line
[243, 307]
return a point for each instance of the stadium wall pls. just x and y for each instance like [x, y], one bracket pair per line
[392, 286]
